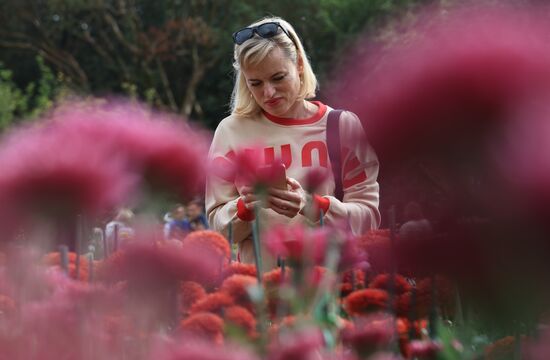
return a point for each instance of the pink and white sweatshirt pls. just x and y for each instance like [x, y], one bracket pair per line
[300, 144]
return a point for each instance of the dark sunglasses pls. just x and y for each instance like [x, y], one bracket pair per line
[266, 30]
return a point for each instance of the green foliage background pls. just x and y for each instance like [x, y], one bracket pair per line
[174, 54]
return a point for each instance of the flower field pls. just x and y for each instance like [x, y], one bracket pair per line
[459, 122]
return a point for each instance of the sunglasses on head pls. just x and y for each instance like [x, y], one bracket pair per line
[266, 30]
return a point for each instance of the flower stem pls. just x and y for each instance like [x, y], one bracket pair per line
[230, 238]
[256, 243]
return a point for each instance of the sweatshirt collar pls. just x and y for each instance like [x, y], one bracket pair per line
[322, 109]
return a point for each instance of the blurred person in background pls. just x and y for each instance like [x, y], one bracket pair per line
[416, 225]
[119, 230]
[196, 216]
[271, 105]
[176, 225]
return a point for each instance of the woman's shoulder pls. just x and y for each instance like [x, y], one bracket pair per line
[232, 122]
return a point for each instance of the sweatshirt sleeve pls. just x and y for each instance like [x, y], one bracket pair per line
[222, 199]
[360, 171]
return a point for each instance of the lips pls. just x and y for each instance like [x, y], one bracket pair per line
[273, 102]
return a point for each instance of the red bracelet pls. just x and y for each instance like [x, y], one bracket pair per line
[243, 212]
[322, 203]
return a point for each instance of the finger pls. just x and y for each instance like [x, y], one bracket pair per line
[252, 205]
[283, 204]
[289, 212]
[294, 184]
[285, 195]
[246, 190]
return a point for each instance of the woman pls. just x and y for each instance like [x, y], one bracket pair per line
[270, 105]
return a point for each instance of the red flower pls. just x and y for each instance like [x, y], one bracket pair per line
[214, 303]
[242, 318]
[273, 278]
[54, 259]
[236, 286]
[400, 284]
[404, 327]
[366, 301]
[239, 268]
[209, 240]
[346, 287]
[370, 334]
[191, 292]
[205, 325]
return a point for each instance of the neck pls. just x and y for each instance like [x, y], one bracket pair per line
[303, 109]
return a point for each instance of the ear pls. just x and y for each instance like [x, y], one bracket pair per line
[300, 65]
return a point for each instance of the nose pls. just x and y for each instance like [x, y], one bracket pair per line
[269, 90]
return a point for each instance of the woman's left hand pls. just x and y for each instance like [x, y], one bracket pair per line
[288, 202]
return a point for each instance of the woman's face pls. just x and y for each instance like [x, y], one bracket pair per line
[275, 84]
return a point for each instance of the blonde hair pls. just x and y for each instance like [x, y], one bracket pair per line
[256, 49]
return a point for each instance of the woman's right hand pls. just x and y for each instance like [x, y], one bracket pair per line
[250, 199]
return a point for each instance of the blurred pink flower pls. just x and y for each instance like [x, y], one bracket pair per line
[424, 349]
[147, 266]
[444, 88]
[370, 334]
[57, 176]
[532, 349]
[301, 245]
[164, 151]
[191, 347]
[68, 322]
[315, 177]
[304, 344]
